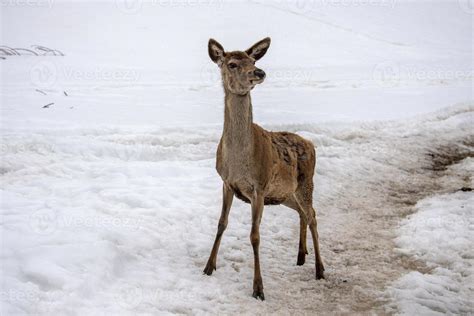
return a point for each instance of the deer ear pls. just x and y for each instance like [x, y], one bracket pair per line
[216, 51]
[259, 49]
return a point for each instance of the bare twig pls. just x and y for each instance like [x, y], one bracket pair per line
[8, 51]
[37, 51]
[47, 105]
[48, 51]
[26, 50]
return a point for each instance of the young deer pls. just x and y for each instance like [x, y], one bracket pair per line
[258, 166]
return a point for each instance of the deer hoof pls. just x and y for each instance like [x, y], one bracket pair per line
[301, 258]
[209, 268]
[319, 275]
[258, 294]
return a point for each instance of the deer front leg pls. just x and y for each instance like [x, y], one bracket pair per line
[257, 210]
[227, 197]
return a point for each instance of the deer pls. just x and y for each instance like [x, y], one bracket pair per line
[260, 167]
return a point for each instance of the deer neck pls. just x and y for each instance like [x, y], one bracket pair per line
[238, 122]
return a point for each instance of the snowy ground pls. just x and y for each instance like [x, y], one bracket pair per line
[440, 235]
[110, 200]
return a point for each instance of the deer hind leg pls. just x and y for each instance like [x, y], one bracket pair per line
[302, 249]
[313, 227]
[305, 200]
[227, 197]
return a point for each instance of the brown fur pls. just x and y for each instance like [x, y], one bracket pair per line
[258, 166]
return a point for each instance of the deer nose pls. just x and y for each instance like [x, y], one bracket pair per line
[259, 73]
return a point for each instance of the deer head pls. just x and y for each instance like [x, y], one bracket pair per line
[238, 70]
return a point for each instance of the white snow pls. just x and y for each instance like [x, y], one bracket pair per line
[110, 198]
[440, 234]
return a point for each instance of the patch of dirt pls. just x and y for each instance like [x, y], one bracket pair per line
[365, 251]
[447, 155]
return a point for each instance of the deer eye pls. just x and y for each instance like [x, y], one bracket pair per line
[232, 65]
